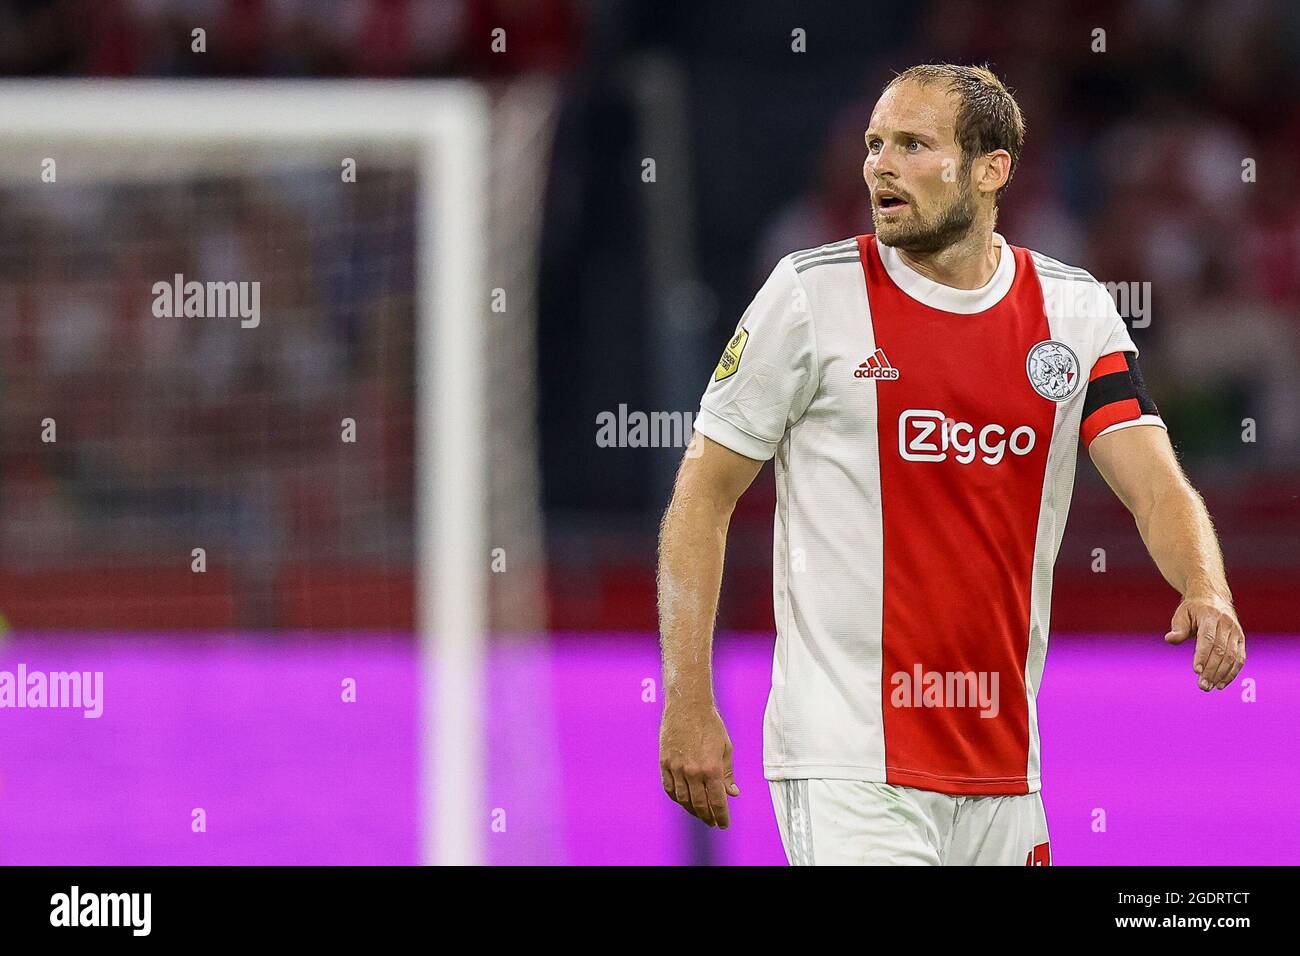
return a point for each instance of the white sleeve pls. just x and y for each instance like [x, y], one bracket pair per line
[1114, 406]
[768, 371]
[1115, 332]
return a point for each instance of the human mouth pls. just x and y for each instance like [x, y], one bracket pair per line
[890, 202]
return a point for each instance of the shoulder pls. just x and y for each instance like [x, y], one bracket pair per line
[1050, 268]
[806, 275]
[841, 252]
[1055, 273]
[1071, 294]
[1080, 310]
[827, 276]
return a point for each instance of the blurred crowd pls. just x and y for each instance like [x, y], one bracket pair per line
[176, 432]
[1166, 157]
[390, 38]
[1159, 155]
[1160, 149]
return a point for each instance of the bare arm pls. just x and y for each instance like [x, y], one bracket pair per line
[694, 749]
[1139, 465]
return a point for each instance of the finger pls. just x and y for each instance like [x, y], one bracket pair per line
[1203, 646]
[1238, 657]
[1226, 637]
[666, 778]
[700, 799]
[717, 796]
[682, 791]
[1206, 652]
[1181, 626]
[730, 781]
[1215, 647]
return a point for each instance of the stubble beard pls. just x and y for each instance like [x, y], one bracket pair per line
[920, 237]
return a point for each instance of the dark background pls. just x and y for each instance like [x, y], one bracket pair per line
[1131, 169]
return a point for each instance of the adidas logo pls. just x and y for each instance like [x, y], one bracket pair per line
[877, 367]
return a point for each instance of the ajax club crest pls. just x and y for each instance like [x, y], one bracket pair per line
[1053, 370]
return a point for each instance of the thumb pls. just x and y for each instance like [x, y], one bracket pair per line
[729, 778]
[1181, 626]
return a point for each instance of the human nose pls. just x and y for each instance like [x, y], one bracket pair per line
[880, 165]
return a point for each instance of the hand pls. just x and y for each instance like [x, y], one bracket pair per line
[695, 762]
[1220, 643]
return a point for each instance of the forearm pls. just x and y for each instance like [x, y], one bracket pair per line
[1179, 535]
[692, 546]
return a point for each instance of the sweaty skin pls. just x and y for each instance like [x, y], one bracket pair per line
[694, 749]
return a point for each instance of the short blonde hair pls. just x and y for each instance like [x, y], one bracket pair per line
[988, 116]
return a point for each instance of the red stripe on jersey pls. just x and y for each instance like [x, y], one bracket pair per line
[959, 536]
[1108, 415]
[1109, 364]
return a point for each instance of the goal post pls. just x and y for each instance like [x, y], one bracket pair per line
[161, 131]
[452, 535]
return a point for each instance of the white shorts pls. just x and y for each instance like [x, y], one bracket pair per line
[856, 822]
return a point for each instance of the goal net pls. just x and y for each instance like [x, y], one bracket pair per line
[267, 365]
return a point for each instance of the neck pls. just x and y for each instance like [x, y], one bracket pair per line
[969, 263]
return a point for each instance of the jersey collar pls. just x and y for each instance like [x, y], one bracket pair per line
[944, 297]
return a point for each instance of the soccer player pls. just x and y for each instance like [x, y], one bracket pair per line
[923, 391]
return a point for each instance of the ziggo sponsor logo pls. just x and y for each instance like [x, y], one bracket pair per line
[926, 434]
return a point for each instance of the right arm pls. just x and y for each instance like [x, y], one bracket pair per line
[694, 749]
[763, 383]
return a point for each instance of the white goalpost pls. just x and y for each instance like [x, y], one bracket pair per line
[153, 130]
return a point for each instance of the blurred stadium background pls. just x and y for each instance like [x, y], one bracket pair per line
[222, 688]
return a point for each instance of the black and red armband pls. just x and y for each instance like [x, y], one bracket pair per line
[1117, 397]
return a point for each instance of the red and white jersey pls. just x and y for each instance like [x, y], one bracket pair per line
[925, 441]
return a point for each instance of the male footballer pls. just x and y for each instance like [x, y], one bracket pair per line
[923, 391]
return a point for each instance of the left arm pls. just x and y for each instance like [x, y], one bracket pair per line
[1139, 465]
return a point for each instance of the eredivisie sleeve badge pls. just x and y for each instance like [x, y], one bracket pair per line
[730, 360]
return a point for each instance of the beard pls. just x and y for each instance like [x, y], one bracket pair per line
[921, 235]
